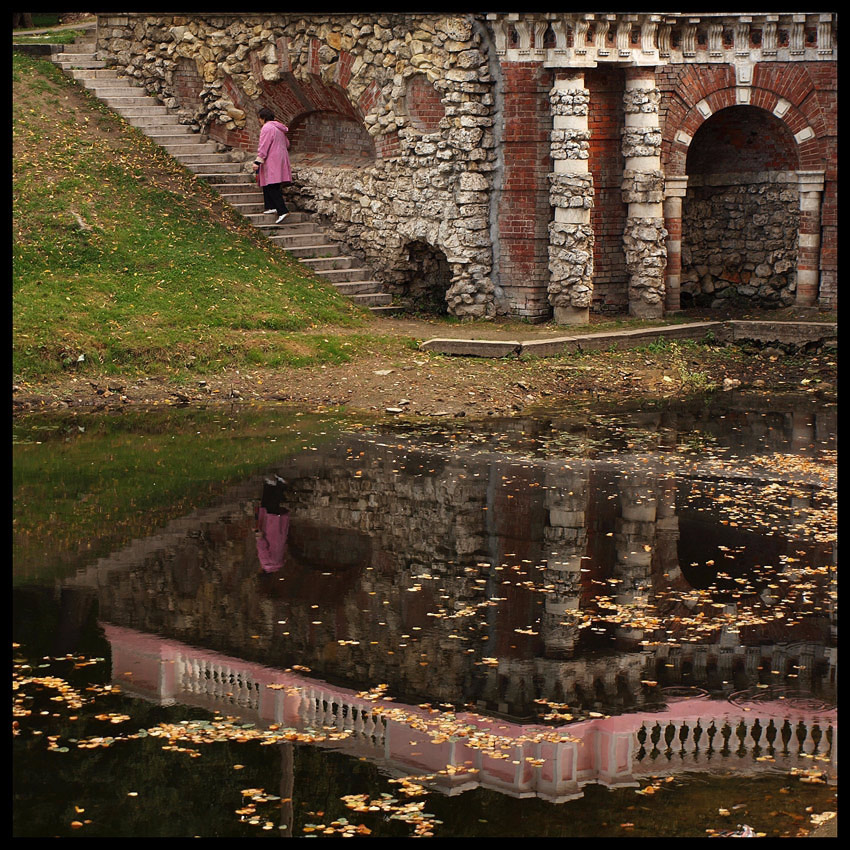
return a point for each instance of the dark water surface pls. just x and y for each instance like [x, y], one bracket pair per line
[569, 624]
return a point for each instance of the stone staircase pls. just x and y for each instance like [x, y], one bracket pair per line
[300, 234]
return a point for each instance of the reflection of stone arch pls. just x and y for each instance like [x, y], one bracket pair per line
[328, 137]
[422, 277]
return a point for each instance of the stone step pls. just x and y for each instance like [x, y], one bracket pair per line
[69, 64]
[97, 74]
[217, 179]
[193, 146]
[285, 228]
[202, 157]
[246, 203]
[359, 286]
[175, 137]
[201, 168]
[130, 102]
[301, 241]
[323, 264]
[343, 276]
[171, 127]
[113, 88]
[79, 57]
[150, 110]
[160, 123]
[376, 299]
[314, 250]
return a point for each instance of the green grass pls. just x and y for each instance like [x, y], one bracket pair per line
[124, 261]
[108, 479]
[57, 37]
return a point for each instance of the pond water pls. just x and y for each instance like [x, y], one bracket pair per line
[575, 623]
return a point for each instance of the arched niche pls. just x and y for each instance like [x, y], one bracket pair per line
[741, 213]
[422, 278]
[325, 137]
[423, 104]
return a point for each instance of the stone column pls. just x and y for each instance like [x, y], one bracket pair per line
[674, 190]
[643, 191]
[808, 251]
[571, 194]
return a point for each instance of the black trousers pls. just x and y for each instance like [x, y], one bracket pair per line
[273, 198]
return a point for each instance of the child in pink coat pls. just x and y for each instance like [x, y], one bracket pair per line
[272, 163]
[272, 527]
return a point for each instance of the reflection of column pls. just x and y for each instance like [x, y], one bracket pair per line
[634, 539]
[287, 788]
[674, 191]
[808, 251]
[566, 542]
[571, 194]
[643, 191]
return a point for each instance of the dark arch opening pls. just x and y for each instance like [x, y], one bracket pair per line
[742, 139]
[424, 277]
[740, 218]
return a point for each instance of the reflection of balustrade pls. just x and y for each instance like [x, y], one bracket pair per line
[743, 741]
[469, 750]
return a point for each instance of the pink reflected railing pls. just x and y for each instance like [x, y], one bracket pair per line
[464, 750]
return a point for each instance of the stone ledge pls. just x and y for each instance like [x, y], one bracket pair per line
[473, 347]
[723, 331]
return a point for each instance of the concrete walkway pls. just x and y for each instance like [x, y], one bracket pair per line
[797, 334]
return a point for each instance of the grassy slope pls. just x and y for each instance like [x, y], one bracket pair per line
[123, 257]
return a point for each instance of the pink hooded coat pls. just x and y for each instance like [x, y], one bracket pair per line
[273, 152]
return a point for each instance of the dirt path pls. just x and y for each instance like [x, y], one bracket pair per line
[409, 382]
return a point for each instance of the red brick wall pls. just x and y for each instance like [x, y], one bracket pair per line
[329, 133]
[424, 107]
[608, 216]
[524, 209]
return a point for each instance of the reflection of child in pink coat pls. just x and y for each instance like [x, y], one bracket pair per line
[272, 527]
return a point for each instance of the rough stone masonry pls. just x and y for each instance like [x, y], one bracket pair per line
[539, 165]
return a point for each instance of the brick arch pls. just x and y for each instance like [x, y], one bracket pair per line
[742, 138]
[327, 137]
[783, 89]
[678, 138]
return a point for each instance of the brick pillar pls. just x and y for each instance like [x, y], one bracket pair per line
[643, 191]
[524, 209]
[571, 195]
[674, 191]
[808, 250]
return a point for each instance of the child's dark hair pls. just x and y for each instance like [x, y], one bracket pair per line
[266, 114]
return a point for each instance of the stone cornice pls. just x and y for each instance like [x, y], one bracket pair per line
[564, 40]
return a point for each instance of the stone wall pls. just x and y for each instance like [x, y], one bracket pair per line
[419, 85]
[741, 240]
[431, 144]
